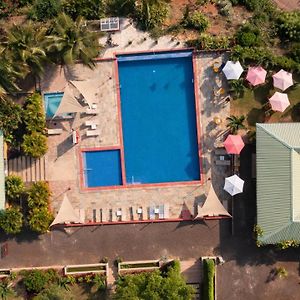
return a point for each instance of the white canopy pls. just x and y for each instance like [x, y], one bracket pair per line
[66, 213]
[233, 70]
[88, 89]
[234, 185]
[212, 206]
[69, 102]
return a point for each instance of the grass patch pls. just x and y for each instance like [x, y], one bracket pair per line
[85, 269]
[139, 265]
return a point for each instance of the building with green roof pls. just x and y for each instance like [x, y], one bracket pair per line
[278, 182]
[2, 172]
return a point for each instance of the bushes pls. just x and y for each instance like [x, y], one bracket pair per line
[39, 217]
[248, 36]
[43, 10]
[120, 8]
[295, 52]
[195, 20]
[11, 220]
[14, 188]
[209, 42]
[89, 9]
[34, 144]
[208, 279]
[35, 281]
[288, 25]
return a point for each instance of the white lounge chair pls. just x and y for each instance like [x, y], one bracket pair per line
[166, 211]
[92, 123]
[54, 131]
[151, 213]
[161, 214]
[92, 132]
[93, 110]
[75, 137]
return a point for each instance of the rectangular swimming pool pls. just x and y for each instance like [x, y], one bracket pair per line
[101, 168]
[158, 117]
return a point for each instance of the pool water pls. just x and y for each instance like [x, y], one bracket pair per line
[52, 102]
[158, 117]
[102, 168]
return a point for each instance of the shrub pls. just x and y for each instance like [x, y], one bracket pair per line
[11, 220]
[39, 219]
[38, 195]
[10, 118]
[14, 188]
[281, 272]
[89, 9]
[287, 244]
[195, 20]
[99, 282]
[248, 36]
[34, 144]
[35, 281]
[208, 279]
[225, 7]
[34, 116]
[288, 25]
[6, 291]
[43, 10]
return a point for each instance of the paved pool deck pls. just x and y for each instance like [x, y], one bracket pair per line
[63, 159]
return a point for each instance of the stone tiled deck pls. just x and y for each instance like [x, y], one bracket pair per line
[62, 159]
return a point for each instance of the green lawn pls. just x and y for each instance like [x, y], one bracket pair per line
[252, 105]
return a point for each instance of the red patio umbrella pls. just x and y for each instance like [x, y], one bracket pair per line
[234, 144]
[256, 75]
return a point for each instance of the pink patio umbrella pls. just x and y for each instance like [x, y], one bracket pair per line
[234, 144]
[282, 80]
[279, 101]
[256, 75]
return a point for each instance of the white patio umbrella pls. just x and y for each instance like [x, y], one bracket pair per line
[233, 70]
[234, 185]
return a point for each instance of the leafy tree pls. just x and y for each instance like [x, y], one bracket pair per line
[14, 188]
[154, 285]
[6, 290]
[35, 280]
[70, 40]
[10, 117]
[45, 9]
[34, 144]
[11, 220]
[89, 9]
[25, 45]
[151, 13]
[235, 123]
[38, 195]
[39, 219]
[248, 36]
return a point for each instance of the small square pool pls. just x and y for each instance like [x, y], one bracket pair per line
[102, 168]
[52, 102]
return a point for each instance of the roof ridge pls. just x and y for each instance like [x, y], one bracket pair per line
[274, 136]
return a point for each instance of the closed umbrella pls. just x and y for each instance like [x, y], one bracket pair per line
[279, 101]
[282, 80]
[234, 185]
[233, 70]
[234, 144]
[256, 75]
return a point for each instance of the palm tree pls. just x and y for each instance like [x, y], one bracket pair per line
[25, 44]
[70, 40]
[237, 88]
[235, 123]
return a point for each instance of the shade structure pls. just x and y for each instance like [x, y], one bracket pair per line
[70, 102]
[279, 101]
[282, 80]
[233, 70]
[234, 144]
[212, 206]
[256, 75]
[88, 89]
[66, 213]
[234, 185]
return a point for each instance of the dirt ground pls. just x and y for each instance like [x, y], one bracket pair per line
[288, 5]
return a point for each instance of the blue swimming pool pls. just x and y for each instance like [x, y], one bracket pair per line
[102, 168]
[158, 117]
[52, 101]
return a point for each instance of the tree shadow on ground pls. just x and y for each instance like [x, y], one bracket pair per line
[262, 92]
[295, 113]
[256, 115]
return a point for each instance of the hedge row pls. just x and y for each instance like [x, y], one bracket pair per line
[208, 279]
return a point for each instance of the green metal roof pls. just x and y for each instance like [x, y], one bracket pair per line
[2, 176]
[278, 181]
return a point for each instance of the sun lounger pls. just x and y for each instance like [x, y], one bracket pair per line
[75, 137]
[133, 213]
[54, 131]
[92, 123]
[161, 214]
[223, 162]
[151, 213]
[144, 213]
[166, 211]
[93, 110]
[139, 213]
[104, 215]
[92, 132]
